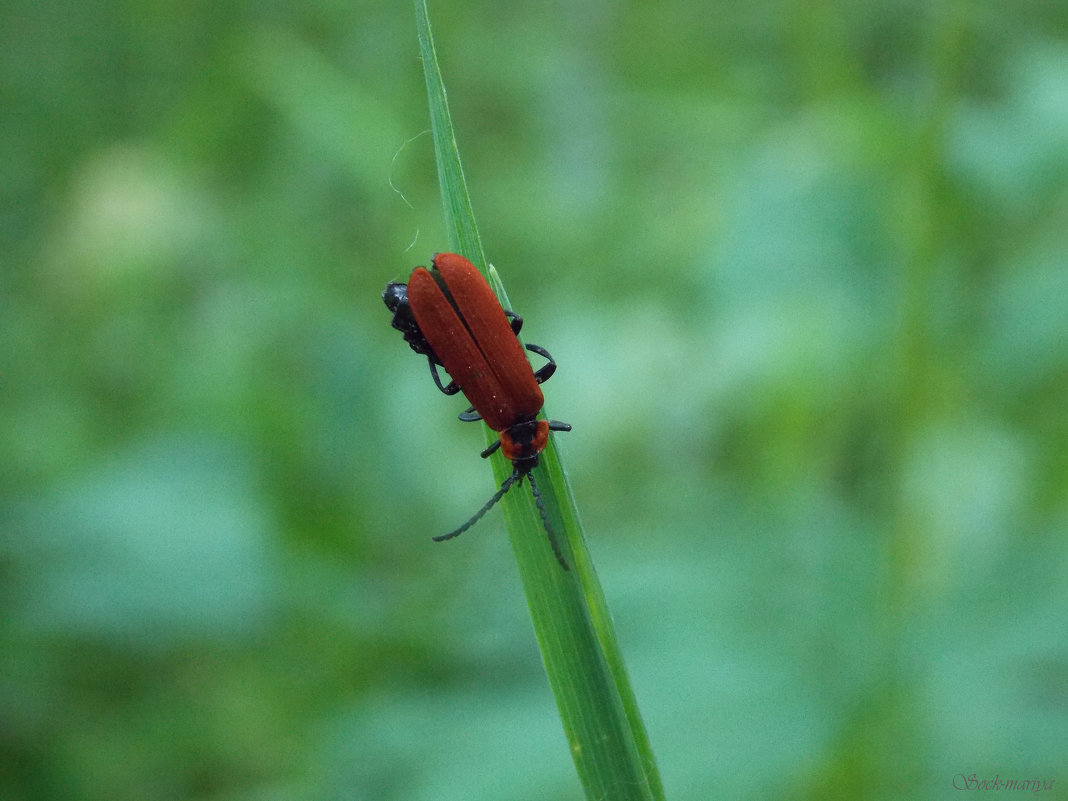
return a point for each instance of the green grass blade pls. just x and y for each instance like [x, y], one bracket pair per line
[574, 629]
[459, 216]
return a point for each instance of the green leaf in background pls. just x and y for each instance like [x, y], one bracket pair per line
[802, 268]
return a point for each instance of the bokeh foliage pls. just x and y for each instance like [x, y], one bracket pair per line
[803, 267]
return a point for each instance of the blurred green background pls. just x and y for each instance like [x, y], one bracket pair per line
[802, 266]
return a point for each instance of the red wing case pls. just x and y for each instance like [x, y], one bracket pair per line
[461, 356]
[447, 335]
[520, 396]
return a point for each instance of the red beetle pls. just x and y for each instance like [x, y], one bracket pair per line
[450, 315]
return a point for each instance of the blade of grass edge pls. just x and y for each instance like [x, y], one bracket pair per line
[579, 648]
[596, 604]
[459, 215]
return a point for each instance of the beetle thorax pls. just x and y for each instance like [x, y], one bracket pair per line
[523, 442]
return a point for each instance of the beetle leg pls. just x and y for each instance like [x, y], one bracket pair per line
[514, 320]
[451, 389]
[490, 450]
[470, 416]
[545, 372]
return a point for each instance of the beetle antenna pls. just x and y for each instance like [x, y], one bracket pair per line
[545, 522]
[507, 485]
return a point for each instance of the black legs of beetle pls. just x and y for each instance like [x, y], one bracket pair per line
[396, 299]
[451, 389]
[514, 320]
[546, 372]
[541, 375]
